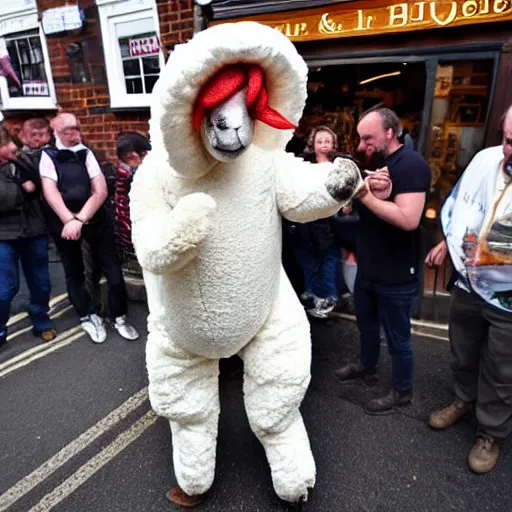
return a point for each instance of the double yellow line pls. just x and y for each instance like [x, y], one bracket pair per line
[43, 349]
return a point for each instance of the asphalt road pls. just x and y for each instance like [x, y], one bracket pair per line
[123, 461]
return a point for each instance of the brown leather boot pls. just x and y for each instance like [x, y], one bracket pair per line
[386, 404]
[356, 371]
[449, 415]
[484, 455]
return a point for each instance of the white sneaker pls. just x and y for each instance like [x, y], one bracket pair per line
[126, 330]
[93, 325]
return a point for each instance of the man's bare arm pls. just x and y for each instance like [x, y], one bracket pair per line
[97, 198]
[404, 213]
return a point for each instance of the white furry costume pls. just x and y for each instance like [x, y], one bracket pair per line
[208, 237]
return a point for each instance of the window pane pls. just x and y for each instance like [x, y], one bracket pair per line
[151, 65]
[150, 82]
[28, 63]
[134, 28]
[134, 86]
[131, 67]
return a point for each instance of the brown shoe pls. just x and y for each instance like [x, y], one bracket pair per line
[356, 371]
[178, 496]
[386, 404]
[449, 415]
[484, 455]
[48, 335]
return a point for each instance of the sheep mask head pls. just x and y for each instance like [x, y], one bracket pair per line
[227, 108]
[213, 99]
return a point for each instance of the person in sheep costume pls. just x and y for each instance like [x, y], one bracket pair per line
[206, 209]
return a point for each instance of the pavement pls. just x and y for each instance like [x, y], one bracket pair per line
[78, 435]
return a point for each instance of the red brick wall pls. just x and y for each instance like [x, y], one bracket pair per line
[90, 101]
[176, 22]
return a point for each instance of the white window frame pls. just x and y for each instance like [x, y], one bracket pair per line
[20, 19]
[112, 12]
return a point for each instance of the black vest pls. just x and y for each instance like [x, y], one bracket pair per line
[73, 183]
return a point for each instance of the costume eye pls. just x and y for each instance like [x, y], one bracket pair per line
[222, 124]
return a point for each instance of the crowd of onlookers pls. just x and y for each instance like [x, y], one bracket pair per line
[53, 188]
[384, 233]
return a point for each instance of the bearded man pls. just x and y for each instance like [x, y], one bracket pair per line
[388, 256]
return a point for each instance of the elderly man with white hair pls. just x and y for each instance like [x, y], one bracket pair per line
[75, 190]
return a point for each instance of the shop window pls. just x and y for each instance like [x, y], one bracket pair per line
[457, 131]
[132, 52]
[338, 96]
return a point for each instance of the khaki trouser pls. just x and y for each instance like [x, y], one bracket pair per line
[481, 343]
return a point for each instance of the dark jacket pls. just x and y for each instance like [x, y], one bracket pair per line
[21, 214]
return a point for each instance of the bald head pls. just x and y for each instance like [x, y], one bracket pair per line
[67, 129]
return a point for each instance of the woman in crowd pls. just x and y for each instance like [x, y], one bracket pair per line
[315, 246]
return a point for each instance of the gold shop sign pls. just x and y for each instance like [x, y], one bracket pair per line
[380, 17]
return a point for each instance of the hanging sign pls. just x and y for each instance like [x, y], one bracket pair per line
[61, 19]
[144, 46]
[382, 16]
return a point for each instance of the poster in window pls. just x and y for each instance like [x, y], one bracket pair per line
[444, 80]
[144, 46]
[35, 88]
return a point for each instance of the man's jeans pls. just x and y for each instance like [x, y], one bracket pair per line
[319, 271]
[390, 306]
[33, 254]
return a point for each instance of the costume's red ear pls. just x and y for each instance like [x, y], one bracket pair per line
[219, 88]
[255, 84]
[223, 85]
[268, 115]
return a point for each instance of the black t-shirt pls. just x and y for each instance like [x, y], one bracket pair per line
[387, 254]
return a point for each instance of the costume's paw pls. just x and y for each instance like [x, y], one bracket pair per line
[179, 497]
[345, 181]
[195, 212]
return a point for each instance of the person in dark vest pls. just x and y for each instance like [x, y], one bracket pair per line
[75, 191]
[23, 238]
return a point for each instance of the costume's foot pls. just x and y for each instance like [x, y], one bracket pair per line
[179, 497]
[3, 339]
[301, 505]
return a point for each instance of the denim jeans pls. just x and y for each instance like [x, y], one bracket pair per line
[319, 271]
[390, 306]
[33, 254]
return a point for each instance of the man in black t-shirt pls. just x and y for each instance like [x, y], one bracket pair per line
[389, 255]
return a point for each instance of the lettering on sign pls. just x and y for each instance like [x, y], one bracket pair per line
[35, 88]
[144, 46]
[385, 17]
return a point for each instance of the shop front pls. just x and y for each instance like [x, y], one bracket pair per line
[443, 66]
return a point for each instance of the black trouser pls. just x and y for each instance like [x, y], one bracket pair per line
[481, 342]
[100, 237]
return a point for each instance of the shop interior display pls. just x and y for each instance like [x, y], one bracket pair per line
[338, 95]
